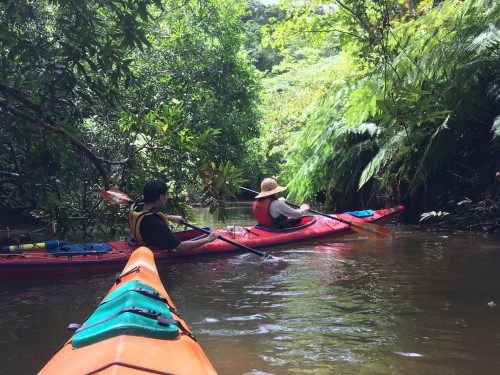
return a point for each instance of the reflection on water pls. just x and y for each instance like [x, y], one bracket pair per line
[415, 303]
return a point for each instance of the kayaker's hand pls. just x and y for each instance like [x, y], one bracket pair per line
[304, 207]
[175, 218]
[212, 237]
[282, 199]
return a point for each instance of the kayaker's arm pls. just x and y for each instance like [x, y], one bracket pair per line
[279, 206]
[189, 245]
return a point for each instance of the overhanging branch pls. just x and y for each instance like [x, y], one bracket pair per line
[47, 123]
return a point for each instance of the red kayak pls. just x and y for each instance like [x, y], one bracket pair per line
[114, 255]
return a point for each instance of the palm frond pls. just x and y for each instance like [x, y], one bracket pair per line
[385, 153]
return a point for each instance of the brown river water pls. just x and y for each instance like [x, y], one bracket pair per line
[414, 303]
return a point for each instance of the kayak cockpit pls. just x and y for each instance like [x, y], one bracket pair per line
[297, 224]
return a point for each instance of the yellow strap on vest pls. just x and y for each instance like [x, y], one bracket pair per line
[135, 219]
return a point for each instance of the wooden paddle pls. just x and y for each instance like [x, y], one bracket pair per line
[118, 197]
[368, 229]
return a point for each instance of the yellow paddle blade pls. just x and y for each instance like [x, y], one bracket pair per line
[370, 229]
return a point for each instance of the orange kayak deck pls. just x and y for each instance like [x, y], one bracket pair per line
[129, 354]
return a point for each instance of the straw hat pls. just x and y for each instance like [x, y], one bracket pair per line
[269, 186]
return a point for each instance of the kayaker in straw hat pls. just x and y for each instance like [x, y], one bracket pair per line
[271, 211]
[150, 227]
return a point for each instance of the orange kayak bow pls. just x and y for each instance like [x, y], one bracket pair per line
[135, 330]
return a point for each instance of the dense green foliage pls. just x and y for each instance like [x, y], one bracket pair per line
[258, 15]
[117, 92]
[411, 106]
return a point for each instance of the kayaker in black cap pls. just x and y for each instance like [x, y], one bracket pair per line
[150, 227]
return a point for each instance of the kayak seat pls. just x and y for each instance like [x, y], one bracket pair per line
[299, 223]
[128, 312]
[361, 214]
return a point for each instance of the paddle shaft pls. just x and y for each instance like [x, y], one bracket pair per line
[310, 210]
[261, 254]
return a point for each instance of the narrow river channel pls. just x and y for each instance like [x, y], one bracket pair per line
[414, 303]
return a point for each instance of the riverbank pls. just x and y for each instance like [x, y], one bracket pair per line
[478, 217]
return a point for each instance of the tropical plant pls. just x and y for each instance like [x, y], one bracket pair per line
[95, 92]
[262, 57]
[415, 104]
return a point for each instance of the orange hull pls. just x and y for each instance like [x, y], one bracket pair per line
[130, 354]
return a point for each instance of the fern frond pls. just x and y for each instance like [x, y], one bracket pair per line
[362, 102]
[496, 127]
[437, 152]
[486, 40]
[385, 153]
